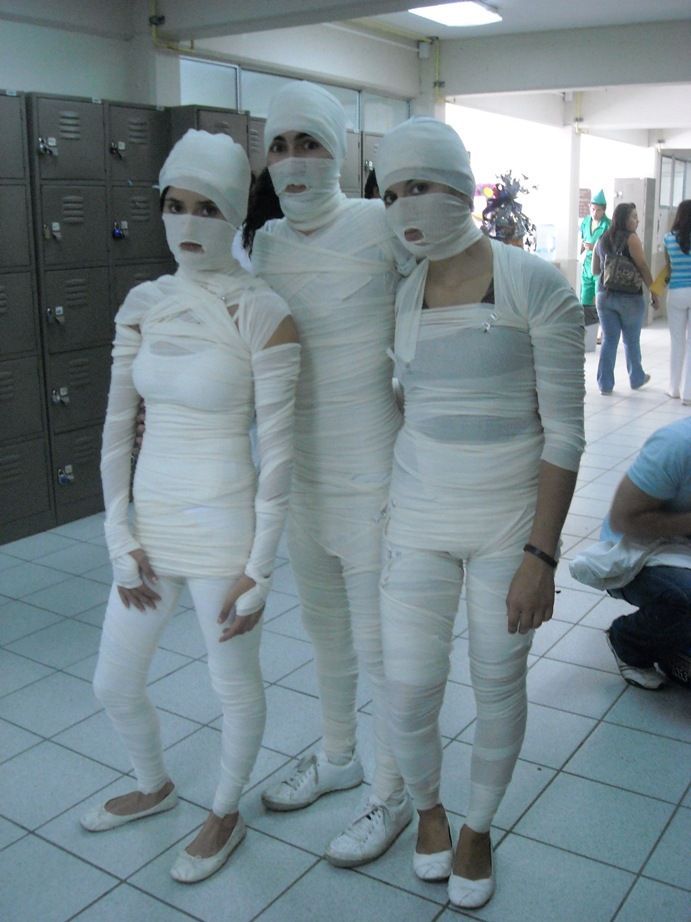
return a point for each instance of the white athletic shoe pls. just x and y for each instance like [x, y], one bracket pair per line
[371, 833]
[314, 776]
[642, 677]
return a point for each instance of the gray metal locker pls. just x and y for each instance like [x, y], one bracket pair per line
[21, 410]
[15, 243]
[137, 231]
[138, 141]
[25, 497]
[68, 138]
[17, 314]
[73, 226]
[370, 146]
[351, 181]
[75, 308]
[255, 145]
[12, 150]
[216, 121]
[77, 385]
[127, 276]
[76, 473]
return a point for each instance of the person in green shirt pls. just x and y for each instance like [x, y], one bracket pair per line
[592, 228]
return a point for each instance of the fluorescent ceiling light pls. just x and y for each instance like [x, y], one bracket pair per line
[466, 13]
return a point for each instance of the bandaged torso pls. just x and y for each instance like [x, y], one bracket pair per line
[340, 284]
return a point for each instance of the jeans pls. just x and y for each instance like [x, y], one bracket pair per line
[662, 625]
[620, 315]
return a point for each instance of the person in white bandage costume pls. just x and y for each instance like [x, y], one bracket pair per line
[335, 262]
[489, 353]
[206, 348]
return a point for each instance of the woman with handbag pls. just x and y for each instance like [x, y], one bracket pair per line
[678, 259]
[619, 261]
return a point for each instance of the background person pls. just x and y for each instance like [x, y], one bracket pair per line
[592, 227]
[678, 257]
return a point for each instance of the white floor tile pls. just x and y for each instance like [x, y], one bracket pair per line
[552, 736]
[653, 901]
[125, 904]
[77, 559]
[188, 693]
[37, 545]
[82, 529]
[70, 597]
[664, 712]
[584, 646]
[573, 604]
[14, 740]
[282, 655]
[50, 705]
[60, 644]
[295, 722]
[572, 688]
[17, 619]
[28, 578]
[9, 833]
[16, 672]
[670, 860]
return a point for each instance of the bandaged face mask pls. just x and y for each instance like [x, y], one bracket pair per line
[212, 235]
[444, 220]
[322, 192]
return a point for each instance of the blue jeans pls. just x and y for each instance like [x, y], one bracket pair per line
[662, 625]
[620, 315]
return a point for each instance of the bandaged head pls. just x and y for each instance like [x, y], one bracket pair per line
[308, 109]
[426, 149]
[215, 167]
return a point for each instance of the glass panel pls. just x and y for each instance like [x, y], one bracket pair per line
[687, 183]
[678, 184]
[381, 113]
[256, 90]
[666, 168]
[350, 101]
[204, 83]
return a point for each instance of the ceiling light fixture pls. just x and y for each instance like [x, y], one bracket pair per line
[464, 14]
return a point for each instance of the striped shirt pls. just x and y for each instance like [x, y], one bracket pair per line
[680, 262]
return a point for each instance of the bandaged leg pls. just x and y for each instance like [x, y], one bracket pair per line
[498, 670]
[237, 680]
[420, 592]
[128, 643]
[326, 616]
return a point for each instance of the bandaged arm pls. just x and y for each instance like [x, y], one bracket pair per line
[275, 370]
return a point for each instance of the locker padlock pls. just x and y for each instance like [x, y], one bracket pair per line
[118, 148]
[56, 314]
[369, 165]
[55, 231]
[119, 231]
[48, 147]
[60, 396]
[65, 475]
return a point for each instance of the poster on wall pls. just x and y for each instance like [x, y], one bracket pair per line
[584, 196]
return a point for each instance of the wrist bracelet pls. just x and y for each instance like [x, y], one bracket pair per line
[536, 552]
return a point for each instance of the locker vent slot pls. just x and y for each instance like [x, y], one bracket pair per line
[8, 389]
[256, 141]
[140, 208]
[137, 130]
[70, 126]
[4, 305]
[85, 448]
[76, 293]
[10, 470]
[80, 372]
[73, 209]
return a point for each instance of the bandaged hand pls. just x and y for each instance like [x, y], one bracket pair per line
[238, 624]
[142, 596]
[530, 600]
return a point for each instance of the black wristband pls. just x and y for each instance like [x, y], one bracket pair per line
[536, 552]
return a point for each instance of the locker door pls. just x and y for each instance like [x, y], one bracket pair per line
[77, 387]
[74, 225]
[17, 327]
[217, 121]
[256, 145]
[69, 139]
[76, 473]
[15, 247]
[75, 308]
[137, 229]
[138, 143]
[24, 489]
[126, 277]
[350, 171]
[21, 413]
[12, 137]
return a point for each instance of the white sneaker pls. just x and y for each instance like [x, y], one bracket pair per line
[314, 776]
[370, 833]
[648, 678]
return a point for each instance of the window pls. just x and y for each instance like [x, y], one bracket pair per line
[205, 83]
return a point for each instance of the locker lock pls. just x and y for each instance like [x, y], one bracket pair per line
[369, 165]
[65, 475]
[59, 396]
[48, 147]
[56, 314]
[120, 230]
[117, 149]
[52, 231]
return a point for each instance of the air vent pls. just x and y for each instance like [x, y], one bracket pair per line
[70, 126]
[140, 208]
[8, 389]
[73, 209]
[76, 293]
[137, 130]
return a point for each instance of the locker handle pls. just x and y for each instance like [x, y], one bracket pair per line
[56, 314]
[119, 231]
[369, 165]
[117, 149]
[65, 475]
[47, 147]
[60, 396]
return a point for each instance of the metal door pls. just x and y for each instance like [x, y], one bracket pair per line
[24, 484]
[255, 144]
[77, 385]
[137, 230]
[68, 138]
[17, 314]
[76, 473]
[12, 164]
[138, 142]
[75, 306]
[351, 170]
[127, 276]
[21, 413]
[642, 193]
[74, 225]
[15, 246]
[218, 121]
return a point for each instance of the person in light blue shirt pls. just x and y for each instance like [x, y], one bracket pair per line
[678, 257]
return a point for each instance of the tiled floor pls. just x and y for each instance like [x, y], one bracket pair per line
[595, 827]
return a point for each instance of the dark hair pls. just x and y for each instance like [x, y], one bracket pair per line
[682, 225]
[371, 187]
[262, 206]
[617, 233]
